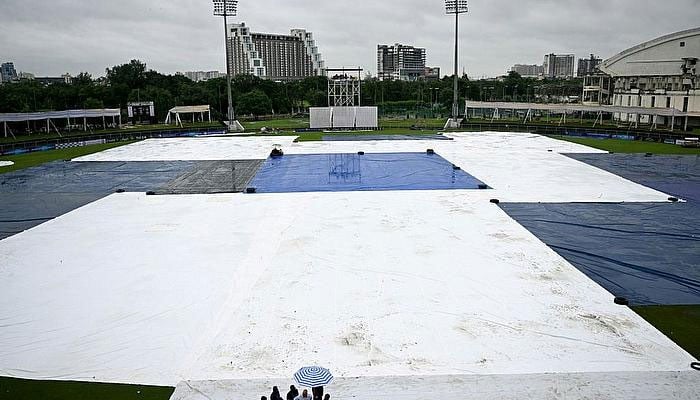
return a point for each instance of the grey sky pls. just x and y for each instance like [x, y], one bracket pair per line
[50, 37]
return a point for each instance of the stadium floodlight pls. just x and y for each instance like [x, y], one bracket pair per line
[456, 7]
[228, 8]
[225, 8]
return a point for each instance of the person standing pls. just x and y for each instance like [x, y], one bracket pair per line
[304, 396]
[293, 393]
[275, 394]
[317, 392]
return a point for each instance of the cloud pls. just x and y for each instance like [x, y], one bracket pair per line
[58, 36]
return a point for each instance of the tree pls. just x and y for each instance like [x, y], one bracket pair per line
[254, 103]
[132, 75]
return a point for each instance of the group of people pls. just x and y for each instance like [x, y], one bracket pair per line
[293, 394]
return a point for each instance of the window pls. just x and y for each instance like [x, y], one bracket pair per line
[668, 102]
[685, 104]
[653, 101]
[682, 44]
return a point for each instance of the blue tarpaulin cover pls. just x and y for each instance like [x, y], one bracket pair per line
[647, 253]
[678, 175]
[354, 172]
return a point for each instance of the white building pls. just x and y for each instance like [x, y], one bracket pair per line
[202, 76]
[274, 56]
[659, 73]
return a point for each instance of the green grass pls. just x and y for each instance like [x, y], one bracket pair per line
[679, 323]
[318, 136]
[40, 157]
[289, 123]
[23, 389]
[402, 123]
[631, 146]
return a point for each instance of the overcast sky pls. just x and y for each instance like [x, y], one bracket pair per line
[51, 37]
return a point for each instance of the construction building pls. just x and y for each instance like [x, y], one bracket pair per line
[400, 62]
[588, 66]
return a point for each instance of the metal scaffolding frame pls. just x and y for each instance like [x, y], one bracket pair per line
[344, 87]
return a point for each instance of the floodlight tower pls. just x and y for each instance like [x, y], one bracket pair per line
[228, 8]
[456, 7]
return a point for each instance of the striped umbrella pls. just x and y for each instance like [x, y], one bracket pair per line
[313, 377]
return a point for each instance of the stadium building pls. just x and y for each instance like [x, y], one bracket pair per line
[660, 73]
[273, 56]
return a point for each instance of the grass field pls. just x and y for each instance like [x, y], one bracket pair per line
[23, 389]
[33, 159]
[629, 146]
[680, 323]
[290, 123]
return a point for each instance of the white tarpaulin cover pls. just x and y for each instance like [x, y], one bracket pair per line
[162, 289]
[195, 149]
[577, 386]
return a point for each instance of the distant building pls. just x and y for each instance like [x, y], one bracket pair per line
[202, 76]
[588, 66]
[274, 56]
[528, 71]
[8, 72]
[400, 62]
[659, 73]
[52, 80]
[431, 73]
[559, 65]
[27, 76]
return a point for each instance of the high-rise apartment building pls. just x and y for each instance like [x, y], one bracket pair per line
[8, 72]
[587, 66]
[400, 62]
[273, 56]
[559, 65]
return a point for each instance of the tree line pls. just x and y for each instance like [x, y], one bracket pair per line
[133, 81]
